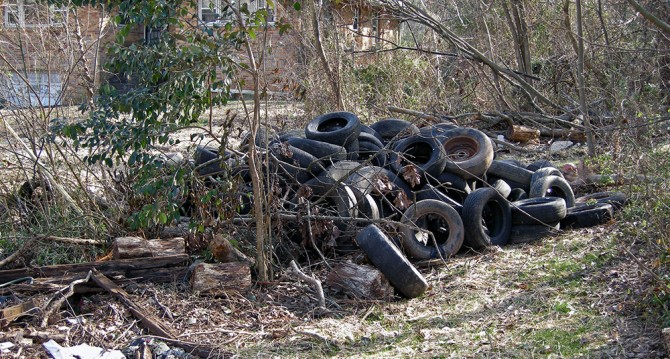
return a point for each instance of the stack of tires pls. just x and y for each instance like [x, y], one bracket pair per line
[440, 183]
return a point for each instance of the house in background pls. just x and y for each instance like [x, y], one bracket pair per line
[53, 55]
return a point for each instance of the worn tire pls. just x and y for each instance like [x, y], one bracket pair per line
[453, 186]
[528, 233]
[517, 194]
[510, 172]
[544, 172]
[369, 151]
[393, 129]
[538, 211]
[437, 130]
[391, 262]
[205, 163]
[340, 128]
[487, 218]
[588, 215]
[436, 217]
[323, 151]
[368, 129]
[502, 187]
[295, 163]
[469, 152]
[428, 191]
[616, 199]
[426, 154]
[539, 164]
[553, 186]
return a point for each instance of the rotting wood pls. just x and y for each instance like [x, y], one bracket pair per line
[121, 266]
[11, 313]
[360, 281]
[151, 322]
[523, 134]
[136, 247]
[218, 278]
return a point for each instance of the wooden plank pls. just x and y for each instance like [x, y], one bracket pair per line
[153, 323]
[10, 314]
[118, 266]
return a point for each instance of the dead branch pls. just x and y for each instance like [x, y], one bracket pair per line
[315, 283]
[16, 255]
[77, 241]
[154, 324]
[57, 300]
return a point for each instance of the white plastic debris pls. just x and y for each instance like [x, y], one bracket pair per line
[82, 351]
[5, 346]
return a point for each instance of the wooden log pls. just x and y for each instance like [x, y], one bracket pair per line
[219, 278]
[364, 282]
[153, 323]
[10, 314]
[136, 247]
[523, 134]
[121, 266]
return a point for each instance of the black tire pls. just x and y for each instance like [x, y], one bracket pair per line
[340, 128]
[469, 152]
[295, 164]
[517, 194]
[428, 191]
[528, 233]
[553, 186]
[539, 164]
[588, 215]
[391, 262]
[438, 218]
[371, 152]
[323, 151]
[538, 211]
[367, 137]
[510, 172]
[544, 172]
[206, 163]
[437, 130]
[368, 129]
[393, 129]
[453, 186]
[616, 199]
[286, 135]
[487, 218]
[426, 154]
[514, 162]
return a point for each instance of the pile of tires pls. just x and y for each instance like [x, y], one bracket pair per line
[441, 185]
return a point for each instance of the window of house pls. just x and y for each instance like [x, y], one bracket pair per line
[28, 13]
[33, 88]
[210, 11]
[356, 19]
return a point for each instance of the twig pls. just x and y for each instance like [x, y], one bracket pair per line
[43, 170]
[166, 310]
[79, 241]
[312, 281]
[644, 267]
[53, 304]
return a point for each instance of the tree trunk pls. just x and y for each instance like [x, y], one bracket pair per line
[332, 75]
[581, 86]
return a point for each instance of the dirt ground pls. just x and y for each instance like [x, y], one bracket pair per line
[579, 294]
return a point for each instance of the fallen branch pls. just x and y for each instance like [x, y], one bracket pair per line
[153, 324]
[57, 300]
[201, 350]
[16, 255]
[78, 241]
[315, 283]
